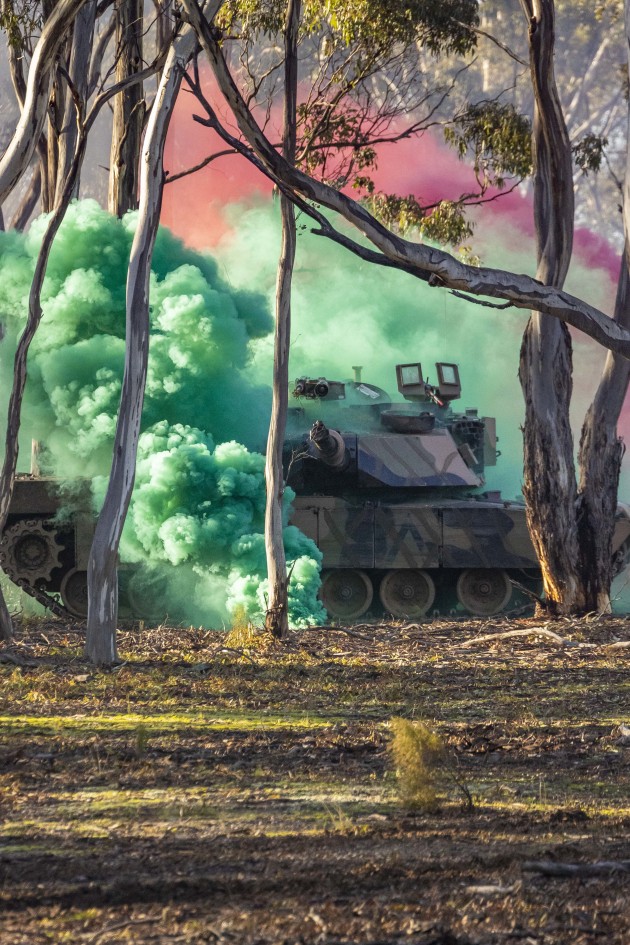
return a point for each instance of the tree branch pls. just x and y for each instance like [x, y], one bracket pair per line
[522, 291]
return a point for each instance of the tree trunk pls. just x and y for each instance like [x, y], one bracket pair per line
[601, 449]
[29, 201]
[17, 156]
[601, 452]
[277, 618]
[7, 476]
[102, 569]
[129, 107]
[78, 70]
[545, 369]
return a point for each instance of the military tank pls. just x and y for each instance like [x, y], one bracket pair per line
[45, 548]
[394, 495]
[45, 554]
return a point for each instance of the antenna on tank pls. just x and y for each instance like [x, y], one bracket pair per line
[357, 368]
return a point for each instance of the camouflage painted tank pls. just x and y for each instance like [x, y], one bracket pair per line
[46, 544]
[393, 495]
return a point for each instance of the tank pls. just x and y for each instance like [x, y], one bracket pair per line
[44, 554]
[395, 497]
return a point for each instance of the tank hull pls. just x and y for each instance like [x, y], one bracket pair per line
[444, 540]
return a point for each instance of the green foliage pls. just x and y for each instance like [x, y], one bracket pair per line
[445, 223]
[19, 21]
[589, 152]
[498, 137]
[425, 768]
[325, 128]
[371, 24]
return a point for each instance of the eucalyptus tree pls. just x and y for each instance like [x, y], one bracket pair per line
[102, 569]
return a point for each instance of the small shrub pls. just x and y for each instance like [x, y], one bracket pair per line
[425, 768]
[243, 635]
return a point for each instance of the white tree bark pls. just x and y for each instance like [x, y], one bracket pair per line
[102, 571]
[16, 158]
[277, 618]
[78, 67]
[437, 266]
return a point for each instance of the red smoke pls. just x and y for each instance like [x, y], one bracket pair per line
[424, 167]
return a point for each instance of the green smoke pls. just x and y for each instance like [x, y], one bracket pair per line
[197, 511]
[349, 312]
[196, 519]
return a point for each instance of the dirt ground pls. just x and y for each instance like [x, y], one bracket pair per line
[200, 793]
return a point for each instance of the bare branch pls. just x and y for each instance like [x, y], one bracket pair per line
[197, 167]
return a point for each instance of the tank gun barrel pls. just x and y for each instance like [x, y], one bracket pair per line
[329, 446]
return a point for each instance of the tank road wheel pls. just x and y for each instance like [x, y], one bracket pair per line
[29, 552]
[407, 592]
[483, 591]
[346, 594]
[74, 592]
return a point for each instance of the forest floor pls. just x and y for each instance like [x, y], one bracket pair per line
[200, 793]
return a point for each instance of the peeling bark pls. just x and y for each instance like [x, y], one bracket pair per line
[129, 108]
[102, 570]
[545, 370]
[601, 448]
[277, 619]
[16, 158]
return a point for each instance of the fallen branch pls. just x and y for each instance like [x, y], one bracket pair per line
[120, 925]
[562, 870]
[348, 632]
[531, 631]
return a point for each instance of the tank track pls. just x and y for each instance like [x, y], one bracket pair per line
[45, 599]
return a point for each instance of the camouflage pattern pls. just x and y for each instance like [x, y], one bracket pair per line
[412, 461]
[385, 535]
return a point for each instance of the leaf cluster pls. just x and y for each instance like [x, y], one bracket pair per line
[588, 152]
[376, 26]
[444, 223]
[499, 139]
[19, 20]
